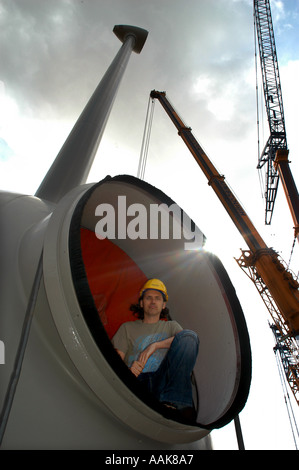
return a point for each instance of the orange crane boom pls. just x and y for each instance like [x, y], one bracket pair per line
[274, 282]
[282, 164]
[279, 282]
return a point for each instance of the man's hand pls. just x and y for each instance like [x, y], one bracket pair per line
[145, 355]
[136, 368]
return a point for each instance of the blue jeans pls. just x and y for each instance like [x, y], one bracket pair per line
[171, 382]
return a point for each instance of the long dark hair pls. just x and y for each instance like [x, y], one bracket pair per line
[139, 313]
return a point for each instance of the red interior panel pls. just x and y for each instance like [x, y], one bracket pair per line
[114, 280]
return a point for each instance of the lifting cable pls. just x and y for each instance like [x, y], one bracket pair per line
[291, 255]
[257, 111]
[146, 138]
[287, 400]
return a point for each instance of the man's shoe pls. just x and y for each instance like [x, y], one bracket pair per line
[185, 415]
[168, 405]
[188, 414]
[170, 411]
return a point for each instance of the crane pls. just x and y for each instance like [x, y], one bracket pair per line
[275, 283]
[275, 153]
[275, 156]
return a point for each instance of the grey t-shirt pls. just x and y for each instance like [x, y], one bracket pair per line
[134, 336]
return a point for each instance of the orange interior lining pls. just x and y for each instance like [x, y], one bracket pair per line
[114, 280]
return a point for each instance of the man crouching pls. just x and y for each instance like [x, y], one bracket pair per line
[159, 353]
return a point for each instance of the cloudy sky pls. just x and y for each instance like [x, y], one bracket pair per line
[201, 52]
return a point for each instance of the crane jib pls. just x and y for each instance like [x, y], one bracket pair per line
[263, 263]
[216, 181]
[226, 196]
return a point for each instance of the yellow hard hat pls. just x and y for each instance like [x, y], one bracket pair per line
[155, 284]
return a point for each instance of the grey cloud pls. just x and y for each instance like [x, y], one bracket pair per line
[54, 53]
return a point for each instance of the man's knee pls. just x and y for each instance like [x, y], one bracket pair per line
[187, 337]
[188, 334]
